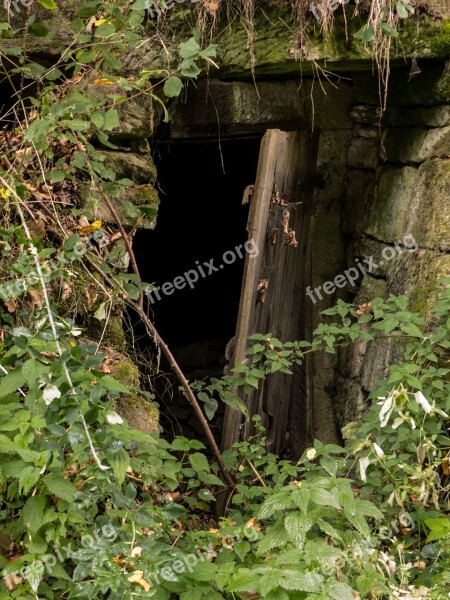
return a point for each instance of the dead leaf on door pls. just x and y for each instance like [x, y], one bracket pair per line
[289, 238]
[262, 289]
[248, 194]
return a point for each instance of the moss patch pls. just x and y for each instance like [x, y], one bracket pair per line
[139, 413]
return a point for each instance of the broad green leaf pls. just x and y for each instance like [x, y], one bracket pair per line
[48, 4]
[340, 591]
[112, 384]
[119, 462]
[173, 87]
[57, 485]
[97, 119]
[199, 462]
[33, 369]
[245, 580]
[11, 382]
[365, 34]
[28, 455]
[105, 30]
[37, 29]
[28, 478]
[297, 525]
[303, 582]
[189, 48]
[389, 30]
[111, 119]
[203, 571]
[33, 512]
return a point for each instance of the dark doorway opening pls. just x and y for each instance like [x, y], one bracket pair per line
[195, 256]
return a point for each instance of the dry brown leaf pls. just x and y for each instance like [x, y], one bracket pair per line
[138, 578]
[11, 305]
[12, 581]
[66, 291]
[36, 296]
[137, 551]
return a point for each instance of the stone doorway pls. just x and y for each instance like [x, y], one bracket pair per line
[195, 258]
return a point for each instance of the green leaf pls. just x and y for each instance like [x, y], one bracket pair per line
[245, 580]
[28, 478]
[340, 591]
[173, 86]
[7, 446]
[199, 462]
[303, 582]
[11, 382]
[33, 512]
[112, 384]
[37, 29]
[105, 30]
[275, 502]
[48, 4]
[37, 545]
[389, 30]
[203, 571]
[28, 455]
[412, 329]
[297, 524]
[189, 48]
[323, 497]
[98, 119]
[111, 119]
[119, 461]
[365, 34]
[57, 485]
[210, 51]
[148, 210]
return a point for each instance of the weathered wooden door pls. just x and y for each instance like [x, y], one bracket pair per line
[273, 295]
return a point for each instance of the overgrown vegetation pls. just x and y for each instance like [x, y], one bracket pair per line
[95, 509]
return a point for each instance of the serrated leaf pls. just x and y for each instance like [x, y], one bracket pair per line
[112, 384]
[11, 382]
[199, 462]
[412, 329]
[33, 512]
[7, 446]
[30, 456]
[330, 465]
[275, 537]
[340, 591]
[245, 580]
[203, 571]
[302, 582]
[275, 502]
[57, 485]
[365, 34]
[119, 462]
[323, 497]
[297, 525]
[28, 478]
[329, 530]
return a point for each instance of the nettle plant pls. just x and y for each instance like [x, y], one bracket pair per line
[98, 510]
